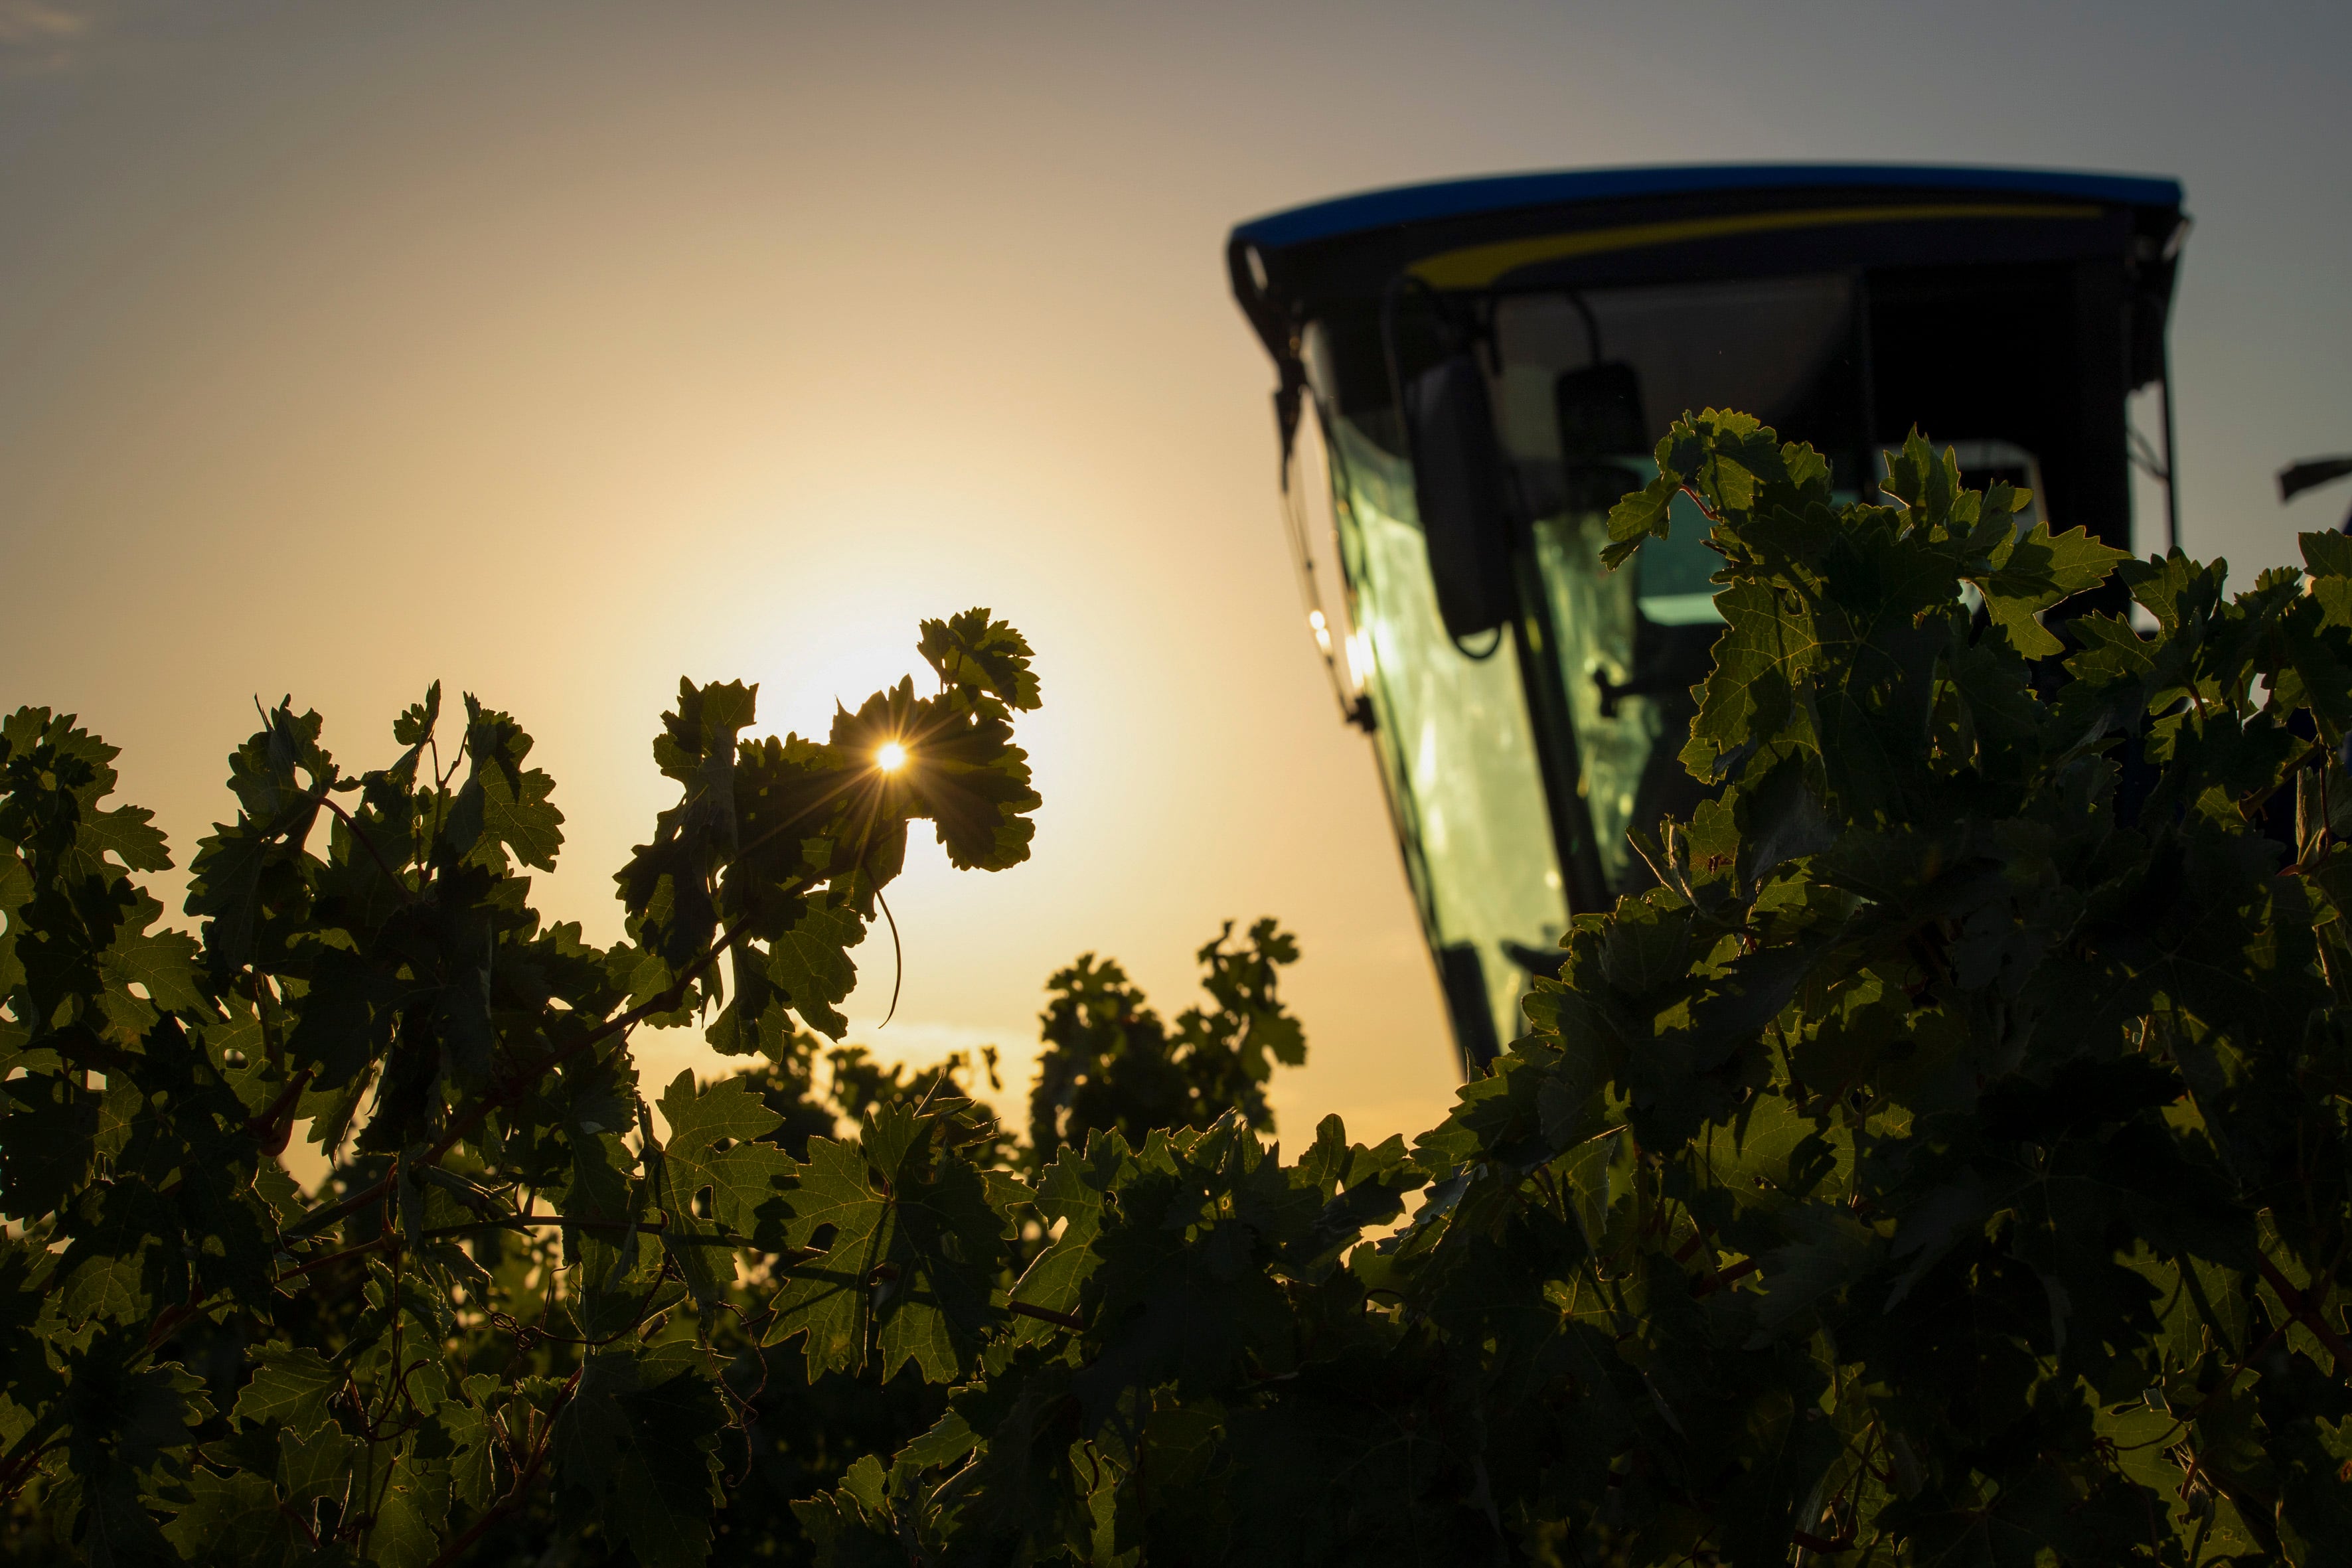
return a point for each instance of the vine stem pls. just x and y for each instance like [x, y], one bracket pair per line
[18, 1470]
[523, 1222]
[2205, 1407]
[1738, 1270]
[300, 1269]
[897, 957]
[369, 1425]
[2253, 805]
[374, 854]
[274, 1125]
[1069, 1321]
[2306, 1313]
[167, 1322]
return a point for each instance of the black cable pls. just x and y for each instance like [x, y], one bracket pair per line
[1495, 635]
[1591, 322]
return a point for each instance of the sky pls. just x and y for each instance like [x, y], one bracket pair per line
[557, 349]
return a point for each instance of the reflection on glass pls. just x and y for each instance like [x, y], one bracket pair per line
[1618, 634]
[1455, 738]
[1581, 384]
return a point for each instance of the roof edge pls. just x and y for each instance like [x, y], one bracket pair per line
[1440, 199]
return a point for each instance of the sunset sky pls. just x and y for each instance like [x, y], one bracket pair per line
[558, 349]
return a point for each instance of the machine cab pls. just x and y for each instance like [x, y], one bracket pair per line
[1481, 369]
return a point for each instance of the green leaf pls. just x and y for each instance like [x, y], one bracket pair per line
[640, 1439]
[233, 1518]
[962, 771]
[809, 964]
[415, 726]
[1827, 1252]
[974, 654]
[291, 1384]
[125, 832]
[469, 1427]
[161, 964]
[411, 1512]
[523, 819]
[124, 1260]
[316, 1467]
[710, 1196]
[1645, 513]
[913, 1249]
[668, 885]
[2034, 571]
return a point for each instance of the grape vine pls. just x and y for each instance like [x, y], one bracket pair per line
[1946, 1161]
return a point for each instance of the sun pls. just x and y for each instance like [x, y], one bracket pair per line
[891, 757]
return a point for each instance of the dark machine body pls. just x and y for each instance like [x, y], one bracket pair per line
[1482, 367]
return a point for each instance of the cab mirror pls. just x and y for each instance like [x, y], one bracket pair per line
[1599, 412]
[1463, 492]
[1599, 409]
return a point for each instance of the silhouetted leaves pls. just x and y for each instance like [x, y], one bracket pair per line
[1946, 1163]
[484, 1298]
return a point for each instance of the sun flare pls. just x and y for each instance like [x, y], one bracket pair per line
[891, 757]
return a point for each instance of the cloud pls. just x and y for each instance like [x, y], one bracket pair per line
[39, 37]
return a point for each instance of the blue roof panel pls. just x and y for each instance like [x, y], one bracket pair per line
[1502, 193]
